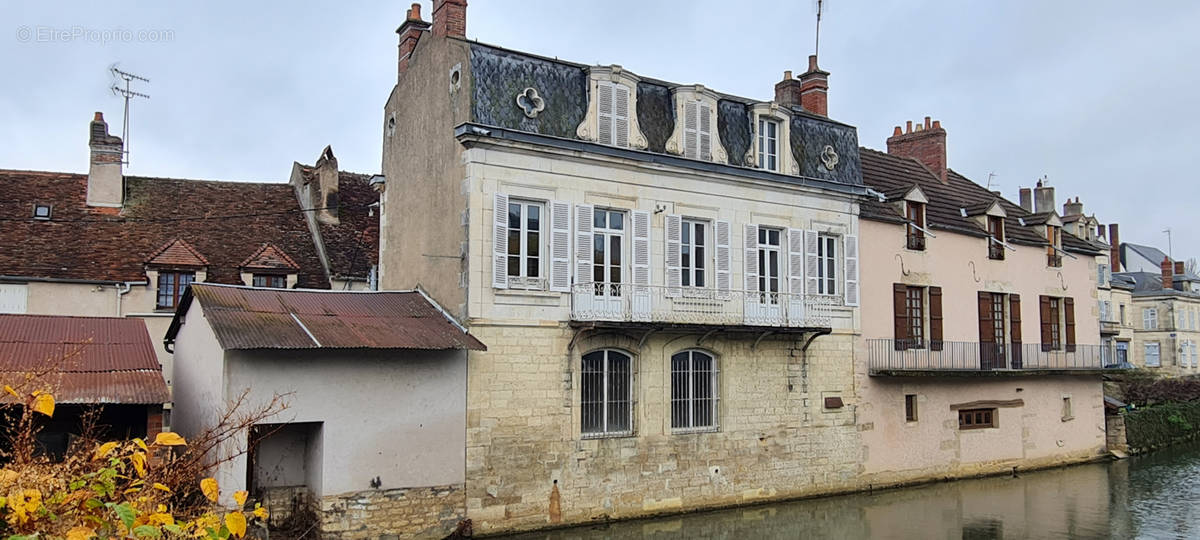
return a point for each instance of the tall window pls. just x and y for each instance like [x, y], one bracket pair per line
[910, 407]
[612, 103]
[1054, 237]
[171, 286]
[524, 243]
[916, 222]
[693, 253]
[273, 281]
[998, 319]
[769, 263]
[1122, 306]
[996, 232]
[827, 264]
[915, 304]
[1152, 358]
[608, 245]
[606, 393]
[1055, 325]
[693, 391]
[1150, 319]
[768, 144]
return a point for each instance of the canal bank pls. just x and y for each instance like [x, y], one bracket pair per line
[1150, 496]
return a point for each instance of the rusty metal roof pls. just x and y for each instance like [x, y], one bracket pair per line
[82, 359]
[264, 318]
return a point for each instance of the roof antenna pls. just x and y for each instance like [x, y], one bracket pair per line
[817, 45]
[991, 175]
[126, 93]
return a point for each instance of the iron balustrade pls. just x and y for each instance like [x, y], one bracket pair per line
[901, 355]
[625, 302]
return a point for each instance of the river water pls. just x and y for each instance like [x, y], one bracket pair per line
[1155, 496]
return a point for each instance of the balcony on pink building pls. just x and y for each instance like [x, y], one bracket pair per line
[889, 357]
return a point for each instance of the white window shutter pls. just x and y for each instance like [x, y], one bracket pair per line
[705, 132]
[851, 270]
[723, 258]
[751, 253]
[811, 262]
[620, 115]
[795, 273]
[500, 241]
[690, 142]
[641, 247]
[583, 243]
[560, 246]
[604, 109]
[674, 276]
[14, 298]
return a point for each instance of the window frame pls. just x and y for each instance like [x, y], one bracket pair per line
[1057, 326]
[1157, 354]
[690, 265]
[49, 211]
[689, 402]
[911, 408]
[177, 287]
[281, 279]
[522, 279]
[995, 238]
[606, 401]
[761, 140]
[607, 234]
[977, 419]
[917, 329]
[1054, 238]
[828, 284]
[764, 251]
[1149, 318]
[914, 213]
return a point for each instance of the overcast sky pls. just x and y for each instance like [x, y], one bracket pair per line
[1099, 96]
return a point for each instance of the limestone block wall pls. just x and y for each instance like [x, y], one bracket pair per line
[424, 512]
[775, 437]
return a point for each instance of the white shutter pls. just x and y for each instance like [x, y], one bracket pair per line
[583, 243]
[560, 246]
[751, 253]
[620, 115]
[851, 270]
[604, 102]
[14, 297]
[500, 242]
[705, 132]
[690, 143]
[723, 258]
[811, 262]
[674, 276]
[641, 299]
[795, 269]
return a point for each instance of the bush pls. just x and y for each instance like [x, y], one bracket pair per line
[1163, 424]
[1144, 392]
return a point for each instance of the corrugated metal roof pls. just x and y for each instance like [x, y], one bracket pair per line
[262, 318]
[89, 359]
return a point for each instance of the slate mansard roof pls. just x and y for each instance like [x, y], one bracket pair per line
[501, 74]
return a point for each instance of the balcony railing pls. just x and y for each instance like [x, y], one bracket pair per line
[916, 241]
[688, 305]
[888, 355]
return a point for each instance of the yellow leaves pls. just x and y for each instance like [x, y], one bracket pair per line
[33, 500]
[138, 459]
[210, 488]
[161, 518]
[104, 450]
[44, 403]
[169, 438]
[141, 444]
[206, 521]
[236, 523]
[239, 497]
[161, 487]
[80, 533]
[10, 390]
[260, 512]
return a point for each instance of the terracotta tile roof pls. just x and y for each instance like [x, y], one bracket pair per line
[262, 318]
[269, 257]
[895, 176]
[223, 222]
[352, 245]
[177, 253]
[93, 359]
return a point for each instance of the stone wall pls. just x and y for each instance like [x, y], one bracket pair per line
[419, 512]
[775, 438]
[1114, 429]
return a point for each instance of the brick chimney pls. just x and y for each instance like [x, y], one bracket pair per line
[1043, 198]
[1179, 269]
[810, 91]
[1114, 241]
[106, 180]
[1167, 279]
[1027, 199]
[450, 18]
[323, 189]
[787, 91]
[410, 32]
[1072, 208]
[926, 143]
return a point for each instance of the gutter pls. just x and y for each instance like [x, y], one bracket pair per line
[128, 286]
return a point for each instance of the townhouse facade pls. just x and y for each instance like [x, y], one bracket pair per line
[1166, 308]
[980, 323]
[665, 276]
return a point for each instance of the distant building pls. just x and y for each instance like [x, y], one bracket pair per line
[1165, 318]
[108, 244]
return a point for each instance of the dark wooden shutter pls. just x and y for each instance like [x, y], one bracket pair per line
[1047, 329]
[900, 315]
[1069, 315]
[935, 318]
[987, 332]
[1014, 323]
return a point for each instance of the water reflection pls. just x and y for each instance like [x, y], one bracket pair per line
[1156, 496]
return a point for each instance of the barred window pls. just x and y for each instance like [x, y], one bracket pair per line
[693, 391]
[606, 393]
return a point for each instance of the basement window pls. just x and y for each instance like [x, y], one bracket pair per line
[42, 211]
[976, 418]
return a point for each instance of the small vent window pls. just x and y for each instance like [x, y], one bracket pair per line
[41, 211]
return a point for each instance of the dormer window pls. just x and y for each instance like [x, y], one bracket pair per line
[272, 281]
[611, 117]
[41, 211]
[915, 228]
[171, 285]
[1054, 238]
[768, 144]
[697, 130]
[995, 238]
[613, 110]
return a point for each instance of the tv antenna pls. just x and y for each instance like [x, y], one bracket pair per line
[991, 175]
[126, 93]
[817, 45]
[1170, 255]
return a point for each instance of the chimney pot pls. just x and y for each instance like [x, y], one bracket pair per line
[787, 74]
[1114, 242]
[99, 117]
[926, 122]
[450, 18]
[922, 143]
[106, 179]
[1179, 270]
[937, 124]
[414, 13]
[908, 126]
[812, 62]
[896, 132]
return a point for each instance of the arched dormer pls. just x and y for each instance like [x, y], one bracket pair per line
[611, 117]
[771, 145]
[695, 135]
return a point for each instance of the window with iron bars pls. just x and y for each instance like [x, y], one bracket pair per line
[693, 391]
[606, 394]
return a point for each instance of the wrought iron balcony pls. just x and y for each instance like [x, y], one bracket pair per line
[696, 306]
[887, 356]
